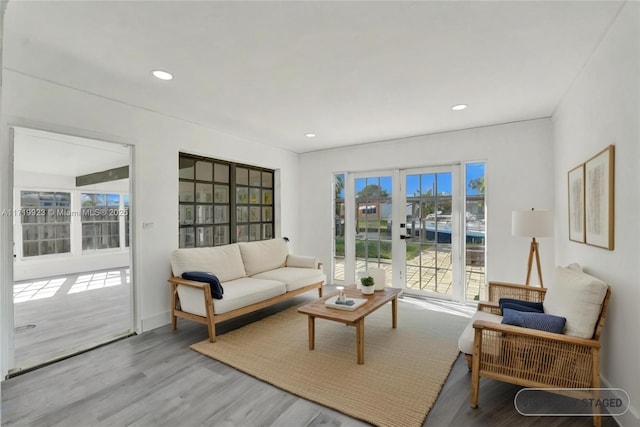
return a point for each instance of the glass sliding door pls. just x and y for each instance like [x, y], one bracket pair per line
[338, 227]
[432, 232]
[424, 227]
[372, 219]
[475, 240]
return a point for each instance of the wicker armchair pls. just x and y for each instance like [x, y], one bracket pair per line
[533, 358]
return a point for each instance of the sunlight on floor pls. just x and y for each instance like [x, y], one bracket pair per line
[442, 306]
[40, 289]
[104, 279]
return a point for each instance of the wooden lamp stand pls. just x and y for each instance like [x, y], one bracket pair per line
[533, 249]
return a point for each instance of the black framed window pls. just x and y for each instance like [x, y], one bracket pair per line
[223, 202]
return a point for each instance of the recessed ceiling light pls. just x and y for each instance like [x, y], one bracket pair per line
[310, 135]
[162, 75]
[459, 107]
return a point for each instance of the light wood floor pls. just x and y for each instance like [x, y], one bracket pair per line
[58, 316]
[154, 379]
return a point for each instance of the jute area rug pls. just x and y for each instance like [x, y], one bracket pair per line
[403, 372]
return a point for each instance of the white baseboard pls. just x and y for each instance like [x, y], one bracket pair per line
[631, 417]
[156, 321]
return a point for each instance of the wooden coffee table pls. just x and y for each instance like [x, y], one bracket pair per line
[352, 318]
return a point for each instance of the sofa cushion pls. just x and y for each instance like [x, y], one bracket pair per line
[532, 320]
[223, 261]
[465, 342]
[293, 277]
[578, 297]
[246, 291]
[263, 255]
[301, 261]
[201, 276]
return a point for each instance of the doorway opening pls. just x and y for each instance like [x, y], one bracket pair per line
[72, 287]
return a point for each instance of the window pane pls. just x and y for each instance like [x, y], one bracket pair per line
[221, 172]
[186, 168]
[186, 191]
[204, 236]
[243, 233]
[242, 214]
[242, 195]
[204, 214]
[186, 214]
[254, 232]
[222, 194]
[47, 200]
[187, 237]
[204, 171]
[29, 198]
[242, 176]
[254, 196]
[204, 193]
[222, 235]
[267, 197]
[254, 178]
[267, 179]
[222, 214]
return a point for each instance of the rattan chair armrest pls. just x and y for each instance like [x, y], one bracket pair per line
[534, 333]
[489, 307]
[192, 283]
[499, 290]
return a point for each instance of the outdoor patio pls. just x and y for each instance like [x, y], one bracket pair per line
[433, 279]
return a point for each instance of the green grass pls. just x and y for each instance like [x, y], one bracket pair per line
[372, 249]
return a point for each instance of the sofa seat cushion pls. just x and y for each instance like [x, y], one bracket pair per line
[465, 342]
[263, 255]
[223, 261]
[293, 277]
[578, 297]
[246, 291]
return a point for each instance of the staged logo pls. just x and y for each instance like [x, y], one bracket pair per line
[574, 402]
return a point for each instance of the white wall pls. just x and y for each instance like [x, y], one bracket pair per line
[157, 140]
[77, 261]
[602, 108]
[519, 176]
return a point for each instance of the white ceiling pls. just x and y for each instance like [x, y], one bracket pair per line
[350, 72]
[42, 152]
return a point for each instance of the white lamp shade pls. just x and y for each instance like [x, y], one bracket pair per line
[532, 223]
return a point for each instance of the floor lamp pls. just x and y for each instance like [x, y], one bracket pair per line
[532, 224]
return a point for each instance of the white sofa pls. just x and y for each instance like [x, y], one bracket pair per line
[253, 275]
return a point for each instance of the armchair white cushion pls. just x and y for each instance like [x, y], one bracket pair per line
[576, 296]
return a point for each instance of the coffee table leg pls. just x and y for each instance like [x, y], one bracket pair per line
[360, 340]
[312, 332]
[394, 312]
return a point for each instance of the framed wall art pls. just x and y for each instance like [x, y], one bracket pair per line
[598, 199]
[576, 204]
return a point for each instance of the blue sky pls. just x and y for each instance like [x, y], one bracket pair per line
[425, 182]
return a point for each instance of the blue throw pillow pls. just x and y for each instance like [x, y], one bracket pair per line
[210, 278]
[539, 321]
[520, 305]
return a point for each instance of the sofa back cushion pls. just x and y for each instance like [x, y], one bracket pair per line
[223, 261]
[263, 255]
[578, 297]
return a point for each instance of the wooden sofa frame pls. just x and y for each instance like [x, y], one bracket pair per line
[211, 319]
[513, 343]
